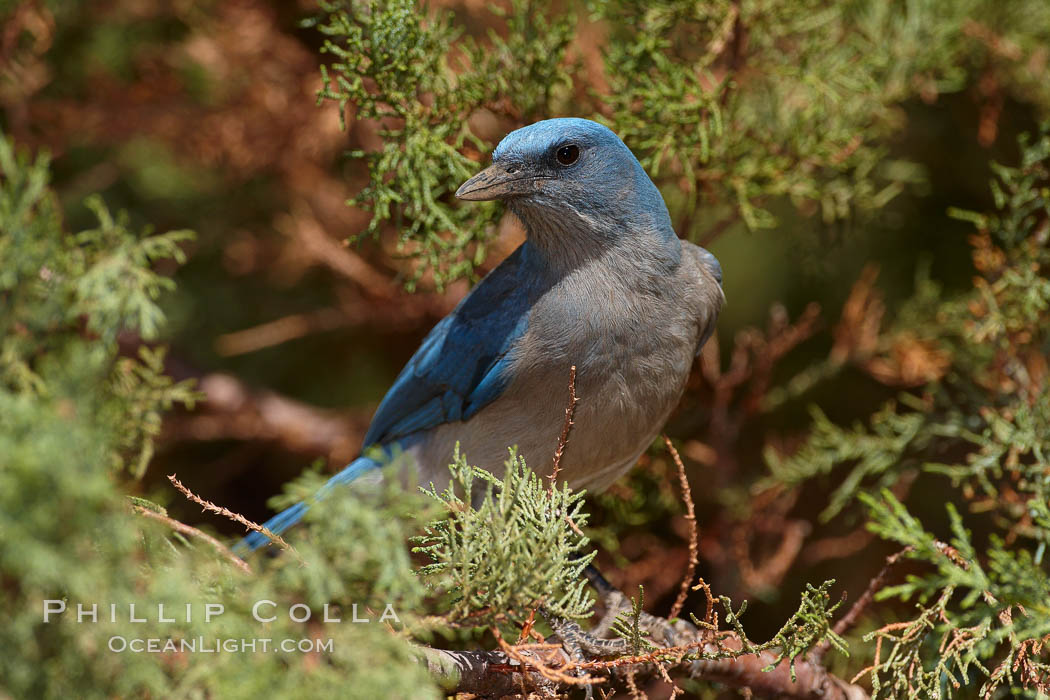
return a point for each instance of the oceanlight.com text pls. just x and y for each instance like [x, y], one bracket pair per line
[217, 645]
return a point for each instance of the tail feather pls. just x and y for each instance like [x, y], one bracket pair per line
[290, 516]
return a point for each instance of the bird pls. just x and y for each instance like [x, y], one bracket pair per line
[601, 283]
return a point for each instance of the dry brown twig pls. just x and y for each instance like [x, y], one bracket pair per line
[741, 391]
[304, 227]
[536, 662]
[675, 690]
[281, 330]
[770, 571]
[355, 308]
[563, 439]
[230, 515]
[194, 532]
[836, 546]
[710, 617]
[487, 671]
[528, 628]
[694, 535]
[632, 687]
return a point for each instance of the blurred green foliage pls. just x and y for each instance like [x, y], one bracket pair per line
[67, 297]
[72, 413]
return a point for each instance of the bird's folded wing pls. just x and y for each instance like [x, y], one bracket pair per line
[713, 298]
[464, 362]
[711, 262]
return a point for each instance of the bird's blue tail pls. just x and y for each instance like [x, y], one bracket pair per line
[290, 516]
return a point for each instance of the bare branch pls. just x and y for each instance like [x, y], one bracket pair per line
[327, 251]
[543, 658]
[719, 227]
[812, 681]
[279, 331]
[483, 673]
[528, 668]
[233, 410]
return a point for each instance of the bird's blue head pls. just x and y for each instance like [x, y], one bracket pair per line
[572, 182]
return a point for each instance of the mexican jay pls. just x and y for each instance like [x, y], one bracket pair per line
[601, 282]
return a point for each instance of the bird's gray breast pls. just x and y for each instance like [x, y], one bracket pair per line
[632, 341]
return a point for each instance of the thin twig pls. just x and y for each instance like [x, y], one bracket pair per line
[632, 687]
[675, 690]
[694, 536]
[326, 250]
[194, 532]
[235, 517]
[565, 428]
[710, 618]
[528, 628]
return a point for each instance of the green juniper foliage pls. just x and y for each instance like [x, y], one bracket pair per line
[806, 629]
[728, 121]
[519, 549]
[981, 610]
[395, 68]
[877, 452]
[627, 626]
[987, 618]
[66, 297]
[73, 415]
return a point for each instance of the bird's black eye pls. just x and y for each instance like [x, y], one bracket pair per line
[568, 154]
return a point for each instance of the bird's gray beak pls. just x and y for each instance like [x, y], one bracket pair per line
[498, 181]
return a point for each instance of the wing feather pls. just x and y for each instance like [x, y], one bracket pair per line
[463, 364]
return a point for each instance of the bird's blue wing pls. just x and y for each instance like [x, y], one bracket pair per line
[464, 362]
